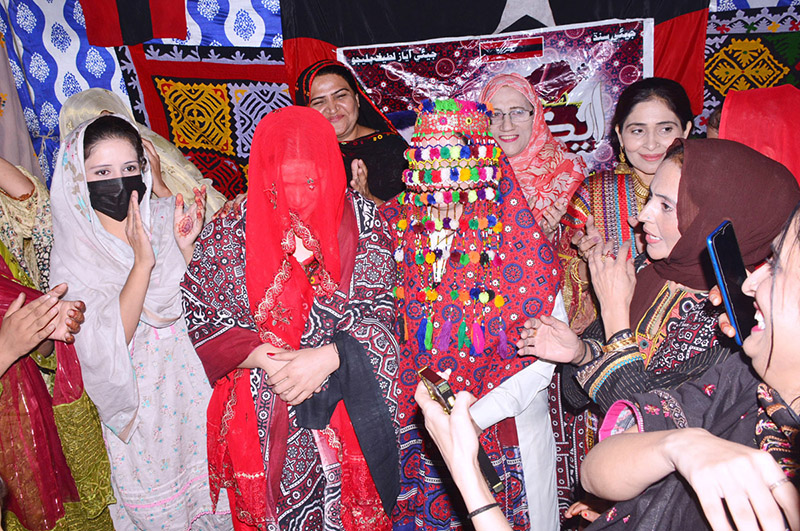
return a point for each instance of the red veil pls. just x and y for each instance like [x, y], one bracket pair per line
[296, 188]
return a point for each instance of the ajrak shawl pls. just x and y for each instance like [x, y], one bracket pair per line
[297, 188]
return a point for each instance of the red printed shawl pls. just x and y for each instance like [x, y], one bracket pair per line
[528, 280]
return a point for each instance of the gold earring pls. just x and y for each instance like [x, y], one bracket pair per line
[622, 168]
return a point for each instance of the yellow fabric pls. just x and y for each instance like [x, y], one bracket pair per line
[73, 520]
[78, 427]
[199, 114]
[179, 174]
[81, 439]
[744, 64]
[25, 224]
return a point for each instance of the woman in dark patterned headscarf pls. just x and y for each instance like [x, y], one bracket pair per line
[371, 147]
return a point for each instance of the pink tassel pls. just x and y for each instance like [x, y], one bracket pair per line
[443, 339]
[477, 337]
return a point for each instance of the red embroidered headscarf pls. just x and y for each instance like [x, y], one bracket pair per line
[545, 170]
[296, 188]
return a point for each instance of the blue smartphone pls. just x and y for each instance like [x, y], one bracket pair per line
[731, 274]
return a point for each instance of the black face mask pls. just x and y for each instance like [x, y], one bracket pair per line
[111, 196]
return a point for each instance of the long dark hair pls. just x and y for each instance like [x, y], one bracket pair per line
[670, 92]
[108, 127]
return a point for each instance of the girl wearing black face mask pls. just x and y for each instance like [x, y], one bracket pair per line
[125, 254]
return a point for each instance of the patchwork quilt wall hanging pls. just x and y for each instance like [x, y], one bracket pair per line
[51, 58]
[207, 100]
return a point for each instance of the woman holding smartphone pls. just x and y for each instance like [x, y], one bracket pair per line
[657, 329]
[725, 441]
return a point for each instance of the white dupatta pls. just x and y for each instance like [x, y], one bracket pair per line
[96, 265]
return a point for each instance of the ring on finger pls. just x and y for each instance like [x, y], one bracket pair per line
[775, 484]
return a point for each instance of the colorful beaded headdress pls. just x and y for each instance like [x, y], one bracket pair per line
[453, 158]
[448, 223]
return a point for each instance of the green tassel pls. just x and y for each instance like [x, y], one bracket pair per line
[462, 334]
[429, 335]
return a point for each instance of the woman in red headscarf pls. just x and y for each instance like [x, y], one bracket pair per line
[289, 306]
[547, 172]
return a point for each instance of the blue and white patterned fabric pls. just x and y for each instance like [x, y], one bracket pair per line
[733, 5]
[247, 23]
[51, 57]
[51, 60]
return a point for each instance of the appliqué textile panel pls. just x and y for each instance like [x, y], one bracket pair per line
[577, 70]
[208, 101]
[747, 49]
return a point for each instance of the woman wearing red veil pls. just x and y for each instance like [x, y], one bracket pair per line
[290, 308]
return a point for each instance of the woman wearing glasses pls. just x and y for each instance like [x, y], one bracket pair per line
[649, 115]
[547, 173]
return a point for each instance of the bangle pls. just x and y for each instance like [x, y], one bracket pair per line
[574, 275]
[480, 510]
[587, 349]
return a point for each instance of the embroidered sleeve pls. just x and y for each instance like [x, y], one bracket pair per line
[573, 393]
[214, 288]
[617, 373]
[26, 229]
[21, 211]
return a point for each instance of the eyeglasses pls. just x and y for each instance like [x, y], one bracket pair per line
[517, 116]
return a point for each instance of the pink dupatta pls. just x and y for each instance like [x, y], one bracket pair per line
[545, 170]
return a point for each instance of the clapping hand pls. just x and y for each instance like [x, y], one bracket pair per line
[359, 180]
[137, 235]
[25, 326]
